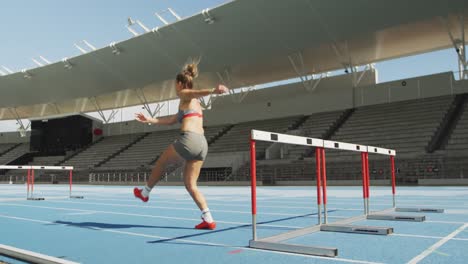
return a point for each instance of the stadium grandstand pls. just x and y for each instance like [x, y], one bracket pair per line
[423, 117]
[298, 68]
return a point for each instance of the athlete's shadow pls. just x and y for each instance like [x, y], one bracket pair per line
[174, 239]
[95, 225]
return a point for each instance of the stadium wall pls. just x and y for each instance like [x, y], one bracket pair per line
[13, 137]
[333, 93]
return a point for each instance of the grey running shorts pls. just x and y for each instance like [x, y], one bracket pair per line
[191, 146]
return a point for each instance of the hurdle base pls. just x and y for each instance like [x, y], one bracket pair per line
[420, 210]
[291, 248]
[76, 197]
[391, 217]
[35, 198]
[30, 256]
[369, 230]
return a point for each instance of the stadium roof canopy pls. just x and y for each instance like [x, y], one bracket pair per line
[250, 42]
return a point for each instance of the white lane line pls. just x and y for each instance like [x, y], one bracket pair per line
[447, 212]
[144, 215]
[24, 199]
[193, 241]
[437, 245]
[446, 222]
[312, 205]
[89, 212]
[313, 214]
[170, 208]
[176, 218]
[399, 203]
[441, 253]
[428, 237]
[84, 213]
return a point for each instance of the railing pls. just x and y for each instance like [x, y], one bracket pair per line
[407, 171]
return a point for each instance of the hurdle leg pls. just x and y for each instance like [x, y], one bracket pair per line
[389, 217]
[31, 185]
[366, 155]
[324, 185]
[417, 210]
[318, 182]
[32, 182]
[253, 178]
[27, 184]
[347, 227]
[392, 166]
[364, 181]
[71, 186]
[70, 178]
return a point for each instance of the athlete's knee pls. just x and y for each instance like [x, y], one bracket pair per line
[162, 161]
[191, 187]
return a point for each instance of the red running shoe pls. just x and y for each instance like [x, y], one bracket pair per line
[206, 225]
[137, 193]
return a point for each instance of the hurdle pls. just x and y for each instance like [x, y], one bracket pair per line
[420, 210]
[30, 256]
[30, 178]
[344, 226]
[380, 215]
[275, 242]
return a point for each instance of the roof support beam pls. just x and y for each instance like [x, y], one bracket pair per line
[357, 76]
[168, 10]
[346, 60]
[141, 96]
[22, 128]
[101, 112]
[459, 45]
[44, 107]
[207, 103]
[132, 22]
[309, 81]
[39, 63]
[82, 50]
[7, 69]
[237, 95]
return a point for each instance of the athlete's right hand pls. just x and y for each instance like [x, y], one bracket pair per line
[221, 89]
[141, 118]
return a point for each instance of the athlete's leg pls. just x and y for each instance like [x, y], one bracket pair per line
[169, 156]
[191, 174]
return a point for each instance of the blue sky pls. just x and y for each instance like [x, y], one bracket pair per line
[30, 28]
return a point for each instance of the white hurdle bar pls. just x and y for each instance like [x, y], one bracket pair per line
[30, 177]
[274, 243]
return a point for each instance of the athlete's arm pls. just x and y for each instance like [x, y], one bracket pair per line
[168, 120]
[187, 94]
